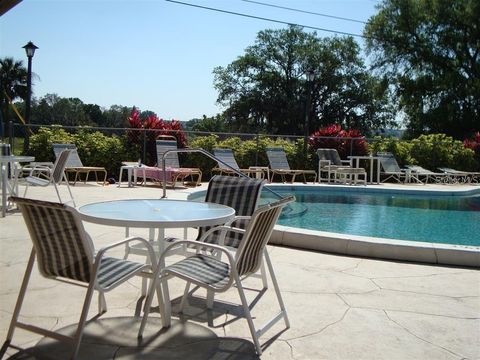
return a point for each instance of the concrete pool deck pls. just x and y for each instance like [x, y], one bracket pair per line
[340, 307]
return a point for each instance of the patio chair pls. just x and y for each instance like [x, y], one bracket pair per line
[65, 252]
[279, 166]
[240, 193]
[329, 162]
[174, 173]
[218, 275]
[75, 165]
[227, 163]
[390, 168]
[41, 175]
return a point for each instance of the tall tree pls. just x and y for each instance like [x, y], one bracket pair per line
[265, 89]
[430, 50]
[13, 81]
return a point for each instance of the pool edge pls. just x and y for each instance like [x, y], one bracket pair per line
[376, 247]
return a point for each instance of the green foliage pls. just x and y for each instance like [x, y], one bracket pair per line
[41, 142]
[265, 89]
[13, 85]
[94, 148]
[429, 51]
[429, 151]
[439, 150]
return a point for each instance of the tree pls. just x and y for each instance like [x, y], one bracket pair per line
[13, 80]
[265, 89]
[430, 50]
[207, 124]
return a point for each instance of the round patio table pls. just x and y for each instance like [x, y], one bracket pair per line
[155, 214]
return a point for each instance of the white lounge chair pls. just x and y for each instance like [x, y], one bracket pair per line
[75, 165]
[279, 166]
[227, 163]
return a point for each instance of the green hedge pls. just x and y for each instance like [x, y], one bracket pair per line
[96, 149]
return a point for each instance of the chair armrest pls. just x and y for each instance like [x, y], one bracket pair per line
[239, 217]
[323, 163]
[224, 228]
[149, 247]
[199, 246]
[347, 162]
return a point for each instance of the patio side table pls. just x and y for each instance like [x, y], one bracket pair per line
[131, 172]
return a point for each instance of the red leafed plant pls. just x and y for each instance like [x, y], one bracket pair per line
[155, 127]
[473, 143]
[347, 142]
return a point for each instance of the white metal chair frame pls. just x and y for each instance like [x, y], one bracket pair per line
[246, 261]
[44, 175]
[94, 266]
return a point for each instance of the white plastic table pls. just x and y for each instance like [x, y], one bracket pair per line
[356, 163]
[131, 173]
[5, 161]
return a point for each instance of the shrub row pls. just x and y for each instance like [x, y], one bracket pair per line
[97, 149]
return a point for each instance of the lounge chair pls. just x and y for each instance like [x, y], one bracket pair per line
[390, 168]
[65, 252]
[45, 175]
[173, 172]
[329, 162]
[75, 165]
[228, 164]
[425, 175]
[222, 272]
[459, 176]
[279, 166]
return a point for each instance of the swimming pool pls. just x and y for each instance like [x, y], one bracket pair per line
[434, 218]
[420, 216]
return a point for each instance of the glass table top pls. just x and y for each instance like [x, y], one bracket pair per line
[156, 213]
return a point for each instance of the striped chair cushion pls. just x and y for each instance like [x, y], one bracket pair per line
[239, 193]
[57, 240]
[202, 269]
[258, 235]
[112, 270]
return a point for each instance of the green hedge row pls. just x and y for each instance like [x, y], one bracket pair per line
[97, 149]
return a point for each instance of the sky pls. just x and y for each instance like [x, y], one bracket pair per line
[155, 55]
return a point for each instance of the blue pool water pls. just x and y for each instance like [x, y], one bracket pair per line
[450, 219]
[443, 218]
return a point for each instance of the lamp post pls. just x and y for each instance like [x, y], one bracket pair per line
[30, 51]
[310, 77]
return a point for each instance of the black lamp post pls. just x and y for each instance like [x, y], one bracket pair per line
[308, 104]
[30, 51]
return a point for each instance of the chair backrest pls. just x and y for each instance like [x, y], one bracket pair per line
[258, 232]
[172, 158]
[388, 162]
[331, 155]
[277, 158]
[73, 160]
[240, 193]
[226, 155]
[60, 165]
[62, 247]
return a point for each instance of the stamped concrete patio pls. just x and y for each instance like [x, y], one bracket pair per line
[340, 307]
